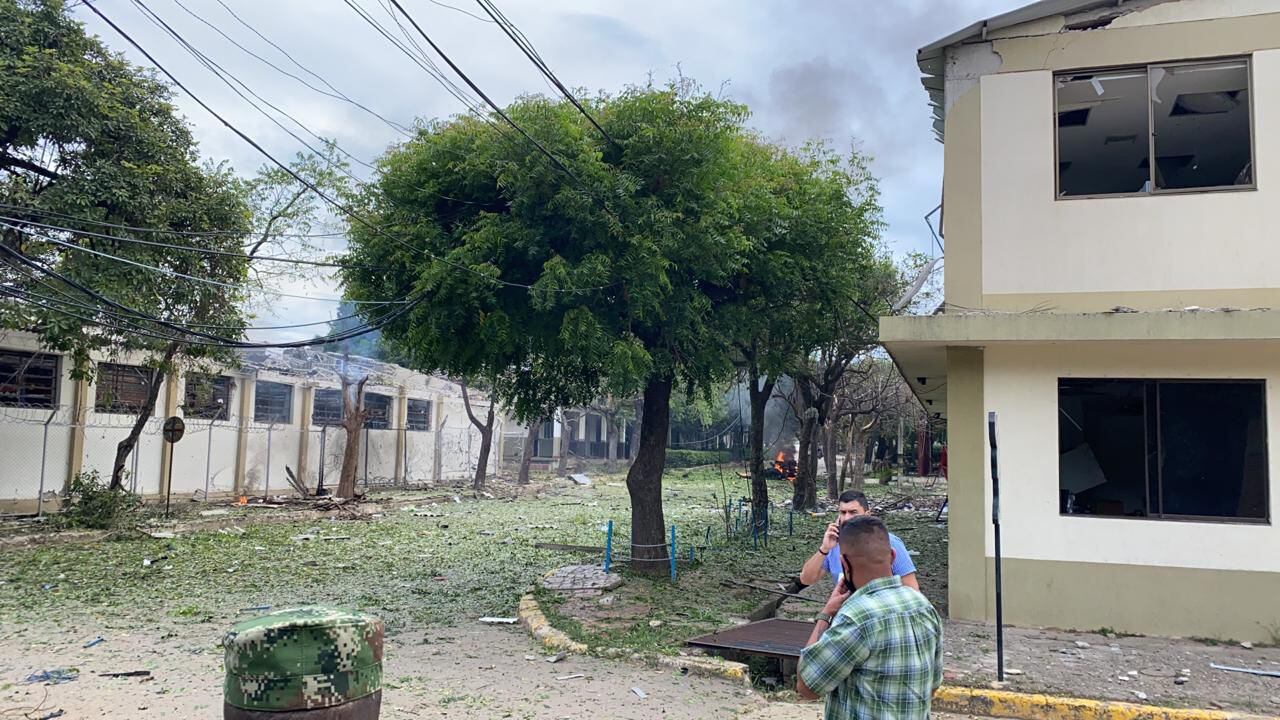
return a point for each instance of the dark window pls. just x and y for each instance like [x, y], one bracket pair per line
[327, 407]
[1193, 117]
[419, 415]
[377, 411]
[121, 388]
[28, 379]
[548, 430]
[273, 403]
[1163, 448]
[207, 397]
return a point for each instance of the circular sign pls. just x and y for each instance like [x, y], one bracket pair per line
[173, 429]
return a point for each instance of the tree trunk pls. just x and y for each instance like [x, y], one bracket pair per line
[804, 494]
[486, 438]
[759, 394]
[568, 429]
[858, 451]
[611, 430]
[127, 445]
[526, 453]
[829, 453]
[846, 469]
[644, 481]
[353, 422]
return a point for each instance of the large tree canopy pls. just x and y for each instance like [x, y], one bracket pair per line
[617, 265]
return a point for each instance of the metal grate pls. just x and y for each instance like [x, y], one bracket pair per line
[770, 638]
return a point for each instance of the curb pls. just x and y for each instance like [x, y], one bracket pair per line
[531, 617]
[1028, 706]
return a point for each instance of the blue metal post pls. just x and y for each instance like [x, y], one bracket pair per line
[673, 553]
[791, 515]
[608, 547]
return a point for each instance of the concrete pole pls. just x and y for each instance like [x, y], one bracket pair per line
[170, 409]
[242, 433]
[303, 410]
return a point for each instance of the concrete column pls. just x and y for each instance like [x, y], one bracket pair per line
[557, 434]
[308, 395]
[968, 508]
[168, 410]
[79, 414]
[243, 418]
[400, 420]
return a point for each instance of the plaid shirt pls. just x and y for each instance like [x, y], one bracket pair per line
[881, 659]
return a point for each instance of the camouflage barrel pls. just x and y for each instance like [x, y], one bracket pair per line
[308, 663]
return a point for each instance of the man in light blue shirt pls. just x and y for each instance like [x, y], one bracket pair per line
[854, 504]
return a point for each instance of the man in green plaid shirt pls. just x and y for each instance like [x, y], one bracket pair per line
[876, 654]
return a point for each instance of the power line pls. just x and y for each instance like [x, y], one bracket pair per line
[335, 94]
[458, 9]
[165, 231]
[189, 248]
[310, 185]
[184, 276]
[129, 313]
[526, 47]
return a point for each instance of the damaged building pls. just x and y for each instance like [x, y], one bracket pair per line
[278, 411]
[1112, 293]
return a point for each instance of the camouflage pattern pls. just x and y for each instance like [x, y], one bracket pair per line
[303, 659]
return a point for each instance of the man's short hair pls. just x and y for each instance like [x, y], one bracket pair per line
[866, 537]
[857, 496]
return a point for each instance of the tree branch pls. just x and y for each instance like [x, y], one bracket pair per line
[13, 161]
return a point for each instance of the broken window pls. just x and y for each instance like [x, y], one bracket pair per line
[273, 403]
[326, 409]
[419, 414]
[28, 379]
[377, 411]
[207, 397]
[121, 389]
[1193, 117]
[1163, 448]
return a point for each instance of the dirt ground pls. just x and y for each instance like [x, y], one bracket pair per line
[463, 672]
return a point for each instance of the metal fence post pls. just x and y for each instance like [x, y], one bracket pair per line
[266, 482]
[366, 456]
[323, 433]
[608, 547]
[208, 461]
[44, 452]
[673, 553]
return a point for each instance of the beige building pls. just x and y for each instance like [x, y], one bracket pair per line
[244, 426]
[1111, 174]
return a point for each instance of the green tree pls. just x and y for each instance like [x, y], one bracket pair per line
[643, 221]
[84, 137]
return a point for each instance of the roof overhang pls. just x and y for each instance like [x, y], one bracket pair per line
[918, 343]
[932, 58]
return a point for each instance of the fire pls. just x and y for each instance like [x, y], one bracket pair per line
[784, 468]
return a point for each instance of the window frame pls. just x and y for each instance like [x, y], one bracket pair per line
[1252, 185]
[115, 408]
[409, 424]
[1261, 383]
[214, 381]
[315, 402]
[384, 420]
[288, 407]
[25, 359]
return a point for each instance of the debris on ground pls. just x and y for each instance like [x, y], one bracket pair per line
[574, 676]
[498, 620]
[557, 657]
[1250, 671]
[126, 674]
[639, 693]
[580, 479]
[56, 676]
[256, 608]
[96, 641]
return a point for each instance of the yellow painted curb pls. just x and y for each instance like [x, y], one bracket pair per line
[532, 618]
[535, 622]
[1028, 706]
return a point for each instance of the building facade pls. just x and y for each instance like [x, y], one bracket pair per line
[244, 426]
[1110, 170]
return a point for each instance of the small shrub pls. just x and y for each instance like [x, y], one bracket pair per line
[694, 458]
[94, 505]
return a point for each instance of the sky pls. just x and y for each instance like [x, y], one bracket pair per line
[843, 72]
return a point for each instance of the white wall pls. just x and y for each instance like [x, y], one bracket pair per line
[1034, 243]
[1021, 385]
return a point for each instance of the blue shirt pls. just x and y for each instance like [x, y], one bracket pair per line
[902, 563]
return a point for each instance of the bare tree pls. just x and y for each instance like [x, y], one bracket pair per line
[353, 417]
[872, 390]
[486, 437]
